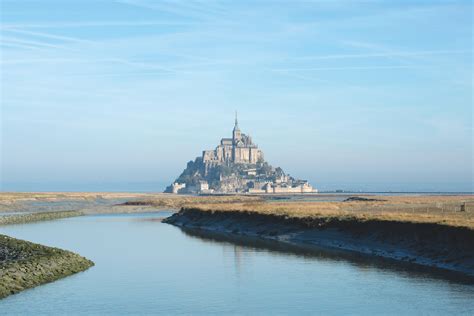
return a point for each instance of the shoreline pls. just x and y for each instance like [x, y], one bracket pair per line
[423, 231]
[26, 265]
[6, 219]
[426, 244]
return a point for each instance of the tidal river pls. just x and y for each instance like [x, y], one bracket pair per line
[143, 266]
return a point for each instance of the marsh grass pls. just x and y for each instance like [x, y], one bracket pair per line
[445, 210]
[177, 201]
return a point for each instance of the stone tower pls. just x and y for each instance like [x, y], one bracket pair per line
[236, 134]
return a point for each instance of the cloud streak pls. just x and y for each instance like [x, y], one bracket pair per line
[187, 9]
[345, 68]
[81, 24]
[389, 54]
[49, 36]
[32, 44]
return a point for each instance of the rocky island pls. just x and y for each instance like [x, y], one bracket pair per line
[237, 165]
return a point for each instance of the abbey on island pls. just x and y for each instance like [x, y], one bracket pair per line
[236, 165]
[238, 149]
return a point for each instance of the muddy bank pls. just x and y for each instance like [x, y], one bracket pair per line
[433, 245]
[24, 265]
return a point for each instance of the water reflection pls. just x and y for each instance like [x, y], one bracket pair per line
[147, 267]
[244, 245]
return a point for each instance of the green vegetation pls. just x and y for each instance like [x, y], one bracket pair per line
[36, 217]
[24, 264]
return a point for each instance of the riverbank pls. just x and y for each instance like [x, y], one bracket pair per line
[175, 201]
[24, 265]
[428, 231]
[106, 203]
[90, 202]
[7, 198]
[36, 217]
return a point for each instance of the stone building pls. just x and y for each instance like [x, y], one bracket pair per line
[238, 149]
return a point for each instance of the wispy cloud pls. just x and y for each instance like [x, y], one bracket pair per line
[202, 10]
[52, 61]
[346, 68]
[81, 24]
[299, 76]
[29, 43]
[389, 54]
[21, 46]
[50, 36]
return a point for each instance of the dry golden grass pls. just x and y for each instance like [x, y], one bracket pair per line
[12, 197]
[177, 201]
[420, 209]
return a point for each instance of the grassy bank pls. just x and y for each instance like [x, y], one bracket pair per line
[434, 231]
[423, 241]
[36, 217]
[24, 265]
[174, 201]
[456, 211]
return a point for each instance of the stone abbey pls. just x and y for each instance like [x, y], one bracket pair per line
[236, 165]
[238, 149]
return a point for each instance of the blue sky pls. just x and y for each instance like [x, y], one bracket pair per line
[119, 95]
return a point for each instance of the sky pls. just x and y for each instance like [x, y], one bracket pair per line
[119, 95]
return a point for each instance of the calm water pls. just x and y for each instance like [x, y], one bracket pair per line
[146, 267]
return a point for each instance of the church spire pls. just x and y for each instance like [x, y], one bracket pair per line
[236, 135]
[236, 126]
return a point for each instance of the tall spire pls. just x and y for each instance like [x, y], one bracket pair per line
[236, 135]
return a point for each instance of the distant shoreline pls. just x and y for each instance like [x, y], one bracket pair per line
[130, 193]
